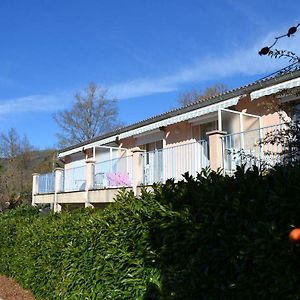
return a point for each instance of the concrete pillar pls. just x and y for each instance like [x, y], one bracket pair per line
[90, 174]
[89, 177]
[215, 149]
[58, 187]
[137, 169]
[35, 187]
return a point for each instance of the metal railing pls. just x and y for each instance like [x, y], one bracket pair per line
[74, 179]
[113, 173]
[172, 162]
[46, 183]
[252, 147]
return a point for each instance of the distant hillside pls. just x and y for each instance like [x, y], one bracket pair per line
[41, 161]
[37, 161]
[16, 175]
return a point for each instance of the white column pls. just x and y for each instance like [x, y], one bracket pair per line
[219, 120]
[90, 176]
[137, 169]
[35, 187]
[58, 183]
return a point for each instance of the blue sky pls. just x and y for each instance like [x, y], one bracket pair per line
[144, 52]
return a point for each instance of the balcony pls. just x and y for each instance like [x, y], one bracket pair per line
[98, 182]
[263, 147]
[95, 179]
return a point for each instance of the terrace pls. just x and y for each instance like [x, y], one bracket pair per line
[97, 182]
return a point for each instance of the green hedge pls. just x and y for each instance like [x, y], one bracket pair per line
[210, 237]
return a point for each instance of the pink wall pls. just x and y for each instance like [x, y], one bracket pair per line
[128, 143]
[266, 107]
[178, 133]
[174, 134]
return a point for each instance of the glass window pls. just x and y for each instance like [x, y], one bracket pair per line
[207, 127]
[199, 131]
[151, 147]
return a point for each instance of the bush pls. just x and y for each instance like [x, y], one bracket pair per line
[234, 242]
[210, 237]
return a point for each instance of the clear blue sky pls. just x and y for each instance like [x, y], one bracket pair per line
[145, 52]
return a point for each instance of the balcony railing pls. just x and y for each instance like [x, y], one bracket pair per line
[163, 164]
[253, 147]
[74, 179]
[157, 166]
[46, 183]
[113, 173]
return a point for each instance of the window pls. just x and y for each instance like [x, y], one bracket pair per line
[199, 131]
[151, 147]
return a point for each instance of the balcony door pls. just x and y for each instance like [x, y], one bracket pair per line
[199, 134]
[153, 162]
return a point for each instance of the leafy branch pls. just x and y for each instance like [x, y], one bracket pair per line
[282, 53]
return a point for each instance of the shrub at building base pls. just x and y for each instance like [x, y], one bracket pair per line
[212, 237]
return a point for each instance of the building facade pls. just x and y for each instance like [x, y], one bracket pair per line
[208, 133]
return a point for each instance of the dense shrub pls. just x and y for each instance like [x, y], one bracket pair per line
[234, 244]
[210, 237]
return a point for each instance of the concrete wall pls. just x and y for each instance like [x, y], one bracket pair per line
[92, 197]
[104, 196]
[44, 199]
[71, 197]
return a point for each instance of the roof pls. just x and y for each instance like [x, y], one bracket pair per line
[247, 89]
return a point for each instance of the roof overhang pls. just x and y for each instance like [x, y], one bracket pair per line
[156, 125]
[275, 88]
[182, 117]
[88, 146]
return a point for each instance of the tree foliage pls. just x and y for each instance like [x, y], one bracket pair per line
[210, 237]
[197, 95]
[91, 115]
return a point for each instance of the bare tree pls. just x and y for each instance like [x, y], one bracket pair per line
[10, 144]
[196, 95]
[91, 115]
[15, 172]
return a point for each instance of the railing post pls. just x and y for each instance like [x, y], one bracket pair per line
[137, 169]
[90, 176]
[58, 181]
[35, 187]
[216, 149]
